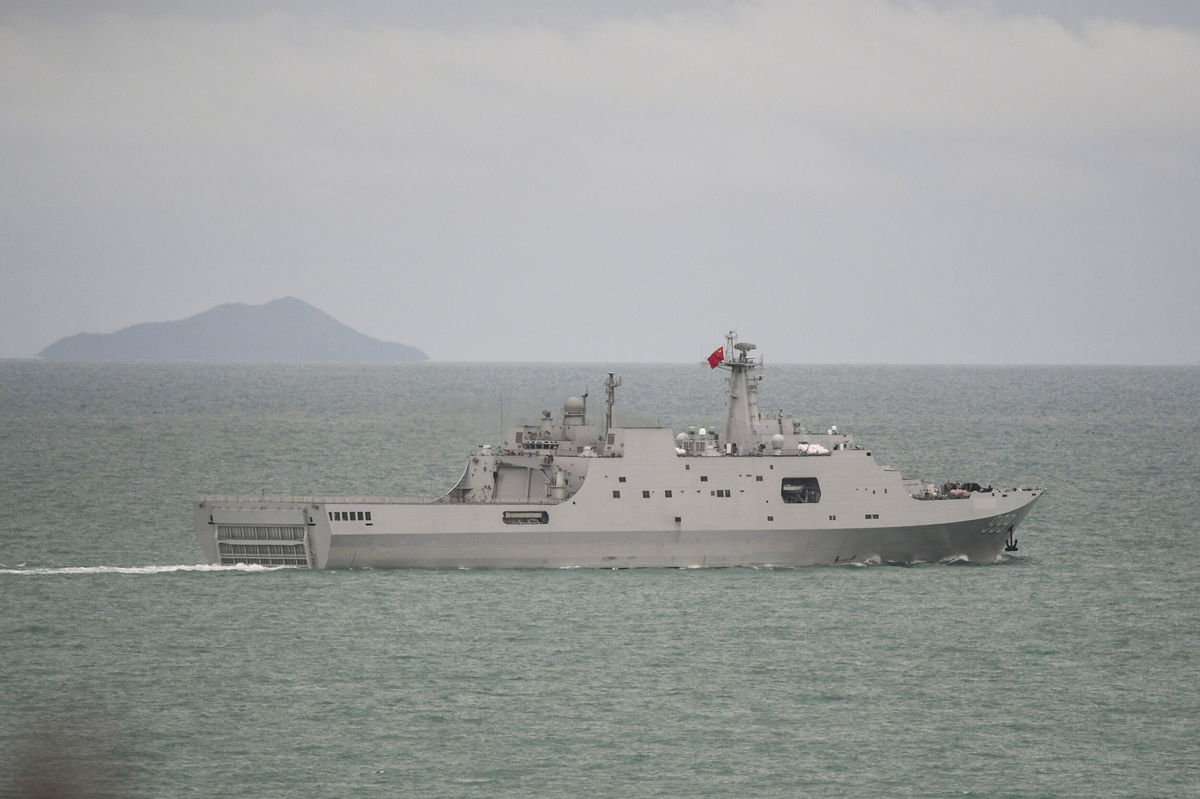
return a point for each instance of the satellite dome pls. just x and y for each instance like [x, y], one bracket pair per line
[573, 406]
[681, 437]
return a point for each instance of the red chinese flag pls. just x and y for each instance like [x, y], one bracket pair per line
[717, 356]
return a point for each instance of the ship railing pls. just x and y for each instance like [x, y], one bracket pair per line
[269, 499]
[456, 501]
[938, 494]
[286, 499]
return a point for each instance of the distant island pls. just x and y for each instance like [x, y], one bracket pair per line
[283, 330]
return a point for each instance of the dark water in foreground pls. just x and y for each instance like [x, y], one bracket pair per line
[1070, 669]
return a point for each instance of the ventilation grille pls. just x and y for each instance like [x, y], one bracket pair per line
[259, 532]
[526, 517]
[263, 545]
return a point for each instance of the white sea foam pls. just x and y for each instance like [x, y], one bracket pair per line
[199, 567]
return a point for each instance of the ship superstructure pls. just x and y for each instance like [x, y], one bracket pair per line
[763, 491]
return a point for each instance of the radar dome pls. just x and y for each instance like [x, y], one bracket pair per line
[573, 406]
[681, 437]
[777, 440]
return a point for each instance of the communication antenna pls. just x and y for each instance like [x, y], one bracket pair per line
[610, 389]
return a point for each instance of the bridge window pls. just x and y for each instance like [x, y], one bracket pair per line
[800, 490]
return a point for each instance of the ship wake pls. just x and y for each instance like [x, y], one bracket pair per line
[197, 567]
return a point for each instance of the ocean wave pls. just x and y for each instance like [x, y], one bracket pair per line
[198, 567]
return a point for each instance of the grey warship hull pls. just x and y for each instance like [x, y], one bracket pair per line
[298, 532]
[763, 492]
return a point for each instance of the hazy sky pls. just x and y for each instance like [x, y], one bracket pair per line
[851, 182]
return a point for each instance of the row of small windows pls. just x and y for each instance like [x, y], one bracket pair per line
[688, 467]
[667, 493]
[793, 490]
[349, 516]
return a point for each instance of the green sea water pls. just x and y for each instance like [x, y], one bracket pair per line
[130, 669]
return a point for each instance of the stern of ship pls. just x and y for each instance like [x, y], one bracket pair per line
[261, 531]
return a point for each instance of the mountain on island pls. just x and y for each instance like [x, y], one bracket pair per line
[283, 330]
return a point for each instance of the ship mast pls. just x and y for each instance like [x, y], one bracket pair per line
[740, 434]
[610, 389]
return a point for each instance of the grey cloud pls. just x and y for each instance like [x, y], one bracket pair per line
[893, 168]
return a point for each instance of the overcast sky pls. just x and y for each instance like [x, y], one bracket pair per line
[849, 182]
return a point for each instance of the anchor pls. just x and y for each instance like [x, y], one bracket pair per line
[1011, 544]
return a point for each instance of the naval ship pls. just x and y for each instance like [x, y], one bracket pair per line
[565, 493]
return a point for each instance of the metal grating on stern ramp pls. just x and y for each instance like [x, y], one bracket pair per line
[263, 544]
